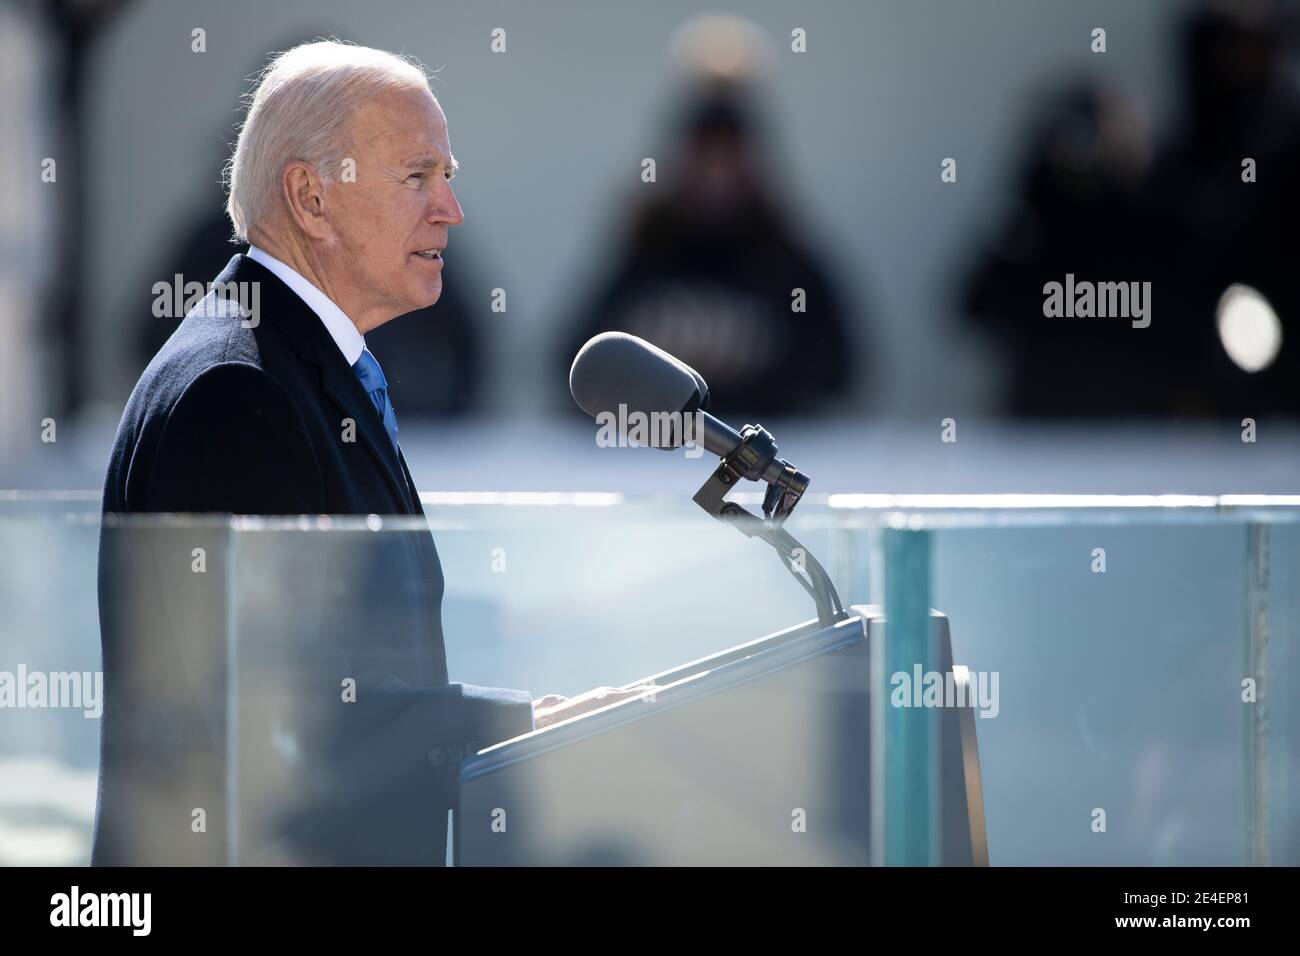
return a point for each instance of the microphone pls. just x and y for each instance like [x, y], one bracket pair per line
[617, 374]
[616, 370]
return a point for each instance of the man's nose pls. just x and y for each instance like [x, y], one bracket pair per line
[446, 208]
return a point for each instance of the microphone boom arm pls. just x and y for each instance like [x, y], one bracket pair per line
[751, 459]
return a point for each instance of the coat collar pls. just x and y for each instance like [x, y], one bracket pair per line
[306, 334]
[345, 335]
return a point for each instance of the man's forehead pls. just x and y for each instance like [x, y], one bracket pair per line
[407, 123]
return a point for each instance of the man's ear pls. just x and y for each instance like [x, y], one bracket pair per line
[304, 193]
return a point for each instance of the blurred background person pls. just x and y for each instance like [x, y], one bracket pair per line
[1097, 201]
[710, 261]
[1215, 230]
[1078, 210]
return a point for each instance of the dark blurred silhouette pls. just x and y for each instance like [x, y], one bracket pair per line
[73, 29]
[1218, 229]
[1079, 211]
[708, 268]
[1090, 205]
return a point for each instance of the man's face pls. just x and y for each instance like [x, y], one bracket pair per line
[400, 205]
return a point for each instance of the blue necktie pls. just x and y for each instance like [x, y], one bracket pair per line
[376, 386]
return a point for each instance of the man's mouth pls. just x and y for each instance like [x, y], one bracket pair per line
[435, 254]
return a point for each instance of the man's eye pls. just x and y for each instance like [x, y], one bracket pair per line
[419, 177]
[449, 175]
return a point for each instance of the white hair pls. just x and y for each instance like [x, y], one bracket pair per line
[299, 110]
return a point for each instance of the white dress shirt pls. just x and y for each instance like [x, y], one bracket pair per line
[345, 335]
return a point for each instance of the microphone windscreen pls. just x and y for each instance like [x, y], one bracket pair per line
[615, 368]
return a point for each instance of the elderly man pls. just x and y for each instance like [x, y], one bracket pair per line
[341, 184]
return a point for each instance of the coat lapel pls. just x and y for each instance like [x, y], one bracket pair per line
[308, 336]
[410, 484]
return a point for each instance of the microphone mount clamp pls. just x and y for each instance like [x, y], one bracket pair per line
[752, 460]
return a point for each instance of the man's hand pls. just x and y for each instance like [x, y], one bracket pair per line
[554, 708]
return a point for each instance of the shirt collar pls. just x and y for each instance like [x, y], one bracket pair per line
[345, 335]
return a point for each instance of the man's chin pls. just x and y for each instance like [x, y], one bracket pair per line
[424, 297]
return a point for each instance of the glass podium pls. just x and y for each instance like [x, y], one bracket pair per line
[1018, 680]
